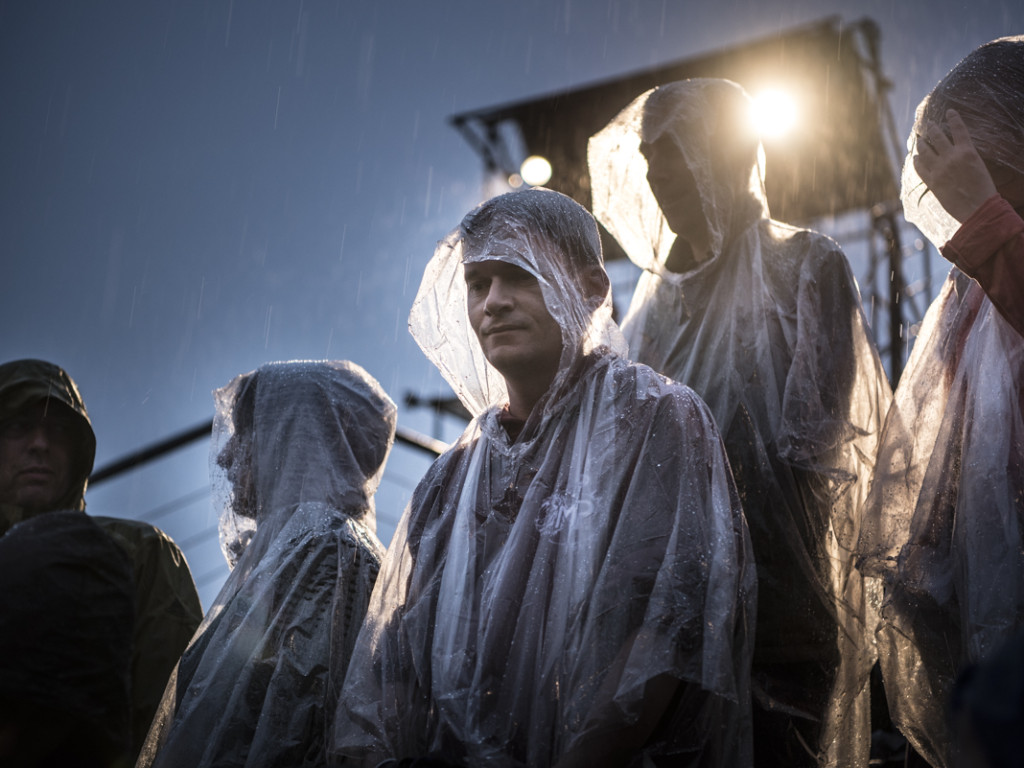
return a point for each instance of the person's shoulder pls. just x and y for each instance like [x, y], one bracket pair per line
[135, 534]
[355, 535]
[159, 564]
[815, 257]
[804, 243]
[642, 376]
[457, 450]
[444, 470]
[148, 546]
[640, 387]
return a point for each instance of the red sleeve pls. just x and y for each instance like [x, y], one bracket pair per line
[989, 247]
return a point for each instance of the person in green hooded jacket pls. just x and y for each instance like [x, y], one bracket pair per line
[47, 449]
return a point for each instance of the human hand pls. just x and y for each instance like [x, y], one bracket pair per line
[953, 170]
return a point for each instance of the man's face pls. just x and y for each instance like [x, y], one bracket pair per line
[507, 312]
[674, 187]
[236, 458]
[36, 448]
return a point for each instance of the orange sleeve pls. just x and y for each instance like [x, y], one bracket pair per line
[989, 247]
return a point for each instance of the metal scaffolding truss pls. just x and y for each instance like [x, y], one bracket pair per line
[842, 160]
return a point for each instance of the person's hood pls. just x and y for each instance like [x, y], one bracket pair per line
[708, 121]
[27, 382]
[297, 433]
[987, 89]
[519, 228]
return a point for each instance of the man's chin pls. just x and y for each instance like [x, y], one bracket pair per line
[502, 353]
[37, 503]
[507, 363]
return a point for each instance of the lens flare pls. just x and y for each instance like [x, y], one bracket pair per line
[774, 114]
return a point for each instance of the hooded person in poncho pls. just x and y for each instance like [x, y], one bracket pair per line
[942, 524]
[572, 582]
[298, 451]
[763, 321]
[167, 609]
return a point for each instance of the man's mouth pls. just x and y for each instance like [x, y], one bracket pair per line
[36, 472]
[501, 329]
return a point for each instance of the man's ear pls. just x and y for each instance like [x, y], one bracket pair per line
[595, 286]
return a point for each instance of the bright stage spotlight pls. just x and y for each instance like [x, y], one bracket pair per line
[535, 170]
[774, 113]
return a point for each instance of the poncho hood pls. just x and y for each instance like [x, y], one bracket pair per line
[987, 89]
[296, 433]
[705, 120]
[26, 382]
[303, 445]
[541, 231]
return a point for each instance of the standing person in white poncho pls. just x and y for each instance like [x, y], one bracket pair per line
[763, 320]
[943, 522]
[572, 582]
[298, 451]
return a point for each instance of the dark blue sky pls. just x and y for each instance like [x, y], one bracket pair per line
[190, 189]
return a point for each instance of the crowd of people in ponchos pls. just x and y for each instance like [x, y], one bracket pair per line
[713, 537]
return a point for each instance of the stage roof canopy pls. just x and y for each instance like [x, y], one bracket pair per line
[839, 156]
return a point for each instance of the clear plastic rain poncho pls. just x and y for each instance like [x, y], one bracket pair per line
[534, 587]
[986, 89]
[942, 523]
[298, 451]
[767, 327]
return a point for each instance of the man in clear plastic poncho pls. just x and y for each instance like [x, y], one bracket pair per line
[571, 583]
[47, 471]
[764, 321]
[298, 451]
[942, 524]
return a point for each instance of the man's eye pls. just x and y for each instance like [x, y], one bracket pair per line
[60, 426]
[476, 286]
[523, 277]
[17, 428]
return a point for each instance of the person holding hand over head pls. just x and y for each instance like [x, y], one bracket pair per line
[942, 522]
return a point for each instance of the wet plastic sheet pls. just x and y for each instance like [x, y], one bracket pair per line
[535, 587]
[942, 523]
[299, 449]
[767, 327]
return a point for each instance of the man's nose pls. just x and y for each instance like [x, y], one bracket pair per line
[499, 298]
[39, 437]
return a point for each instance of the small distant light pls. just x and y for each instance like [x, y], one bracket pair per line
[515, 181]
[774, 113]
[535, 170]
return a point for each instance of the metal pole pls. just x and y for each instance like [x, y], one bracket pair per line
[896, 287]
[144, 455]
